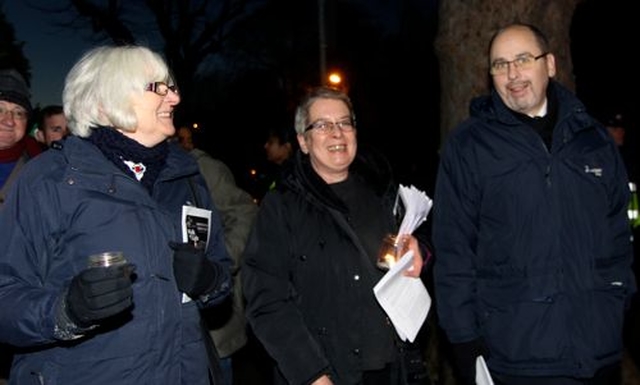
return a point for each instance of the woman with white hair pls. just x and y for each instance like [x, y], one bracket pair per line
[116, 184]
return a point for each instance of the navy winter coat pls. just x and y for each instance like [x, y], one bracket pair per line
[73, 202]
[533, 248]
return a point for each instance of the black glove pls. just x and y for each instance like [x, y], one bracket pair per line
[98, 293]
[195, 274]
[464, 357]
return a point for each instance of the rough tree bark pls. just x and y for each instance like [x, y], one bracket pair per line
[465, 27]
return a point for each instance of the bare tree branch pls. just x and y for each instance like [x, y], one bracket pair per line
[105, 20]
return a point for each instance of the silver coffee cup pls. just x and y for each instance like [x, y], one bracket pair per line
[106, 259]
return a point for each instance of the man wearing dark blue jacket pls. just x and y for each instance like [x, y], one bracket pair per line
[533, 252]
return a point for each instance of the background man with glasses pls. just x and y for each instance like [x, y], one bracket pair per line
[533, 252]
[15, 146]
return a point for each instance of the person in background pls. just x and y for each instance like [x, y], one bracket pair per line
[279, 145]
[532, 242]
[16, 149]
[237, 211]
[616, 125]
[51, 125]
[279, 149]
[115, 184]
[310, 263]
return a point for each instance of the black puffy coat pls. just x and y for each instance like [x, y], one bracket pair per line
[308, 277]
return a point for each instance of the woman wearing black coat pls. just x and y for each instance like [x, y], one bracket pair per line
[310, 263]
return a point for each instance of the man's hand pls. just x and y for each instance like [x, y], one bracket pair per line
[465, 355]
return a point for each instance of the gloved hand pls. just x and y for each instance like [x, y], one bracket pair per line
[195, 274]
[98, 293]
[464, 357]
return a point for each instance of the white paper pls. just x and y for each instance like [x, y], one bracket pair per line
[417, 206]
[405, 299]
[196, 229]
[483, 377]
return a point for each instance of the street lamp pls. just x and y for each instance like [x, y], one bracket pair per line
[335, 79]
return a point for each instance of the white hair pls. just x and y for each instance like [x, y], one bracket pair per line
[99, 87]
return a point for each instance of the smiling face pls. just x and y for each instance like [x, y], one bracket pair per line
[54, 129]
[332, 152]
[522, 89]
[13, 124]
[154, 114]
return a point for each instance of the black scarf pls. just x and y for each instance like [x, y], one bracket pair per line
[544, 125]
[119, 148]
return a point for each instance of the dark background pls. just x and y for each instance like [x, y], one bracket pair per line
[384, 49]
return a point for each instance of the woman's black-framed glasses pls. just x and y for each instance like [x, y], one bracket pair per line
[324, 127]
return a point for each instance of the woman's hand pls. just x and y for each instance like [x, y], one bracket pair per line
[411, 243]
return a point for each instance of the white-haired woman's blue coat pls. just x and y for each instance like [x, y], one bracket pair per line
[73, 202]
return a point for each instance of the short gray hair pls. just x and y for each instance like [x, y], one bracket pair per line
[99, 87]
[301, 120]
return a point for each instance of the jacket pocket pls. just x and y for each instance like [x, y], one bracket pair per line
[524, 318]
[606, 323]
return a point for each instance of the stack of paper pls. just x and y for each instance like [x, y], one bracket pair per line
[404, 299]
[416, 205]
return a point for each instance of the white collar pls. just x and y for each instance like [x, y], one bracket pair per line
[542, 112]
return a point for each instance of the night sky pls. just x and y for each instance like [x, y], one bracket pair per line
[604, 39]
[51, 50]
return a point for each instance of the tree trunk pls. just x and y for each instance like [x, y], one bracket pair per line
[465, 27]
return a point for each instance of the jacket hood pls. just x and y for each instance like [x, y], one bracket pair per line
[492, 108]
[369, 165]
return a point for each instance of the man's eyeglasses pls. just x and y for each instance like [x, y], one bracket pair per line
[324, 127]
[162, 88]
[522, 62]
[16, 114]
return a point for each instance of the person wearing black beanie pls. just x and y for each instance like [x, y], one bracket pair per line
[16, 148]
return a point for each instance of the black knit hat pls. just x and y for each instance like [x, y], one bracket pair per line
[14, 89]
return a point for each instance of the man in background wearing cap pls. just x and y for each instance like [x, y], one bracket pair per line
[16, 148]
[616, 125]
